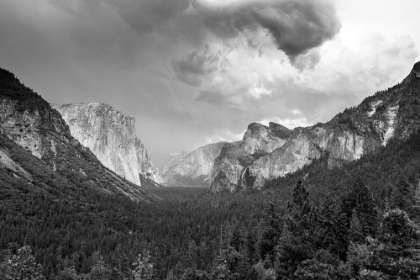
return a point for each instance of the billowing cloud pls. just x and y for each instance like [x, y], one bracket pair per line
[198, 71]
[295, 26]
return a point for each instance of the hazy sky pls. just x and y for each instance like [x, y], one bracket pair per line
[194, 72]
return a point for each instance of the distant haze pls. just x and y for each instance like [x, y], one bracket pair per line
[194, 72]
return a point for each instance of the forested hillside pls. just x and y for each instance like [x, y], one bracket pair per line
[357, 221]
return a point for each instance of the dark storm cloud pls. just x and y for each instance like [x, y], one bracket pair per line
[192, 68]
[298, 26]
[295, 26]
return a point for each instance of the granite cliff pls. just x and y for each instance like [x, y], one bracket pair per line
[392, 113]
[258, 140]
[110, 135]
[31, 129]
[194, 168]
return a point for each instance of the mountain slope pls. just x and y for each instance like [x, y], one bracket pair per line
[31, 123]
[350, 134]
[111, 136]
[194, 168]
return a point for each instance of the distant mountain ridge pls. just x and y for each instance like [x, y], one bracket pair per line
[163, 161]
[193, 169]
[205, 163]
[110, 135]
[32, 131]
[349, 135]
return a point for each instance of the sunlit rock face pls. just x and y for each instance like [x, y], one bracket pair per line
[111, 136]
[194, 168]
[394, 113]
[258, 140]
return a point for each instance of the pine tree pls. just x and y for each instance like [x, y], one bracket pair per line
[299, 237]
[403, 195]
[143, 267]
[360, 200]
[273, 227]
[356, 230]
[398, 253]
[332, 228]
[68, 273]
[99, 270]
[22, 266]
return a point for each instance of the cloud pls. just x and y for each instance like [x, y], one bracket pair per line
[289, 123]
[295, 26]
[194, 67]
[194, 70]
[149, 15]
[210, 97]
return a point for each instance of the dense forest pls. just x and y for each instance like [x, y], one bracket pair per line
[359, 221]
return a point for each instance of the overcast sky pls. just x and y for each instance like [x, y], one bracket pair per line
[193, 72]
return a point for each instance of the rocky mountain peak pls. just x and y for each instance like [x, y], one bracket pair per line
[262, 139]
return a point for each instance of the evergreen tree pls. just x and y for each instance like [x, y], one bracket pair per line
[404, 195]
[355, 230]
[99, 270]
[299, 239]
[273, 227]
[398, 254]
[22, 266]
[68, 273]
[332, 228]
[143, 267]
[321, 267]
[360, 200]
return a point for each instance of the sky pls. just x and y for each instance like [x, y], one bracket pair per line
[194, 72]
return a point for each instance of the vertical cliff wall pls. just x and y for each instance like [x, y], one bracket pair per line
[110, 135]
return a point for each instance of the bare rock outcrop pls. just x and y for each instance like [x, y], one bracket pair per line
[259, 140]
[111, 136]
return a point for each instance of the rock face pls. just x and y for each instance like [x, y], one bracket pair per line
[194, 168]
[259, 140]
[111, 136]
[31, 123]
[394, 113]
